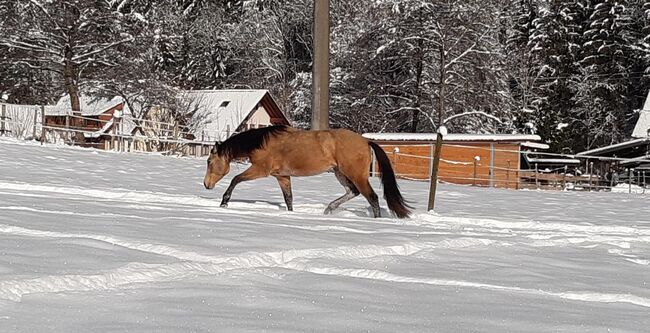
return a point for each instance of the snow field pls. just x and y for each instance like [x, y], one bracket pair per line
[100, 241]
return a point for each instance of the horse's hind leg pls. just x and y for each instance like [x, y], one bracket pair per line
[350, 192]
[366, 190]
[285, 185]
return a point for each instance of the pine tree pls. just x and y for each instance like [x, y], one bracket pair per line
[555, 48]
[603, 96]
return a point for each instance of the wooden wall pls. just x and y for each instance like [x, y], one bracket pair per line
[457, 162]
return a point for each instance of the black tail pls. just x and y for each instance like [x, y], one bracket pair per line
[392, 195]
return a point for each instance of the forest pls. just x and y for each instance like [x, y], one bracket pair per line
[574, 72]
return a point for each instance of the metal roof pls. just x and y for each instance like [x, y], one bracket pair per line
[615, 147]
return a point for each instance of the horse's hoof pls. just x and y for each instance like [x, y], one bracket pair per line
[224, 206]
[327, 212]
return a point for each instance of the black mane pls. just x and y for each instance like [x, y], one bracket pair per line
[242, 144]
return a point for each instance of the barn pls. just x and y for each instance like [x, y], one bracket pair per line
[477, 159]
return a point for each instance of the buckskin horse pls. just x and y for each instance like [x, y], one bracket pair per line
[283, 152]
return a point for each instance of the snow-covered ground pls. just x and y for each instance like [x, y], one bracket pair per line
[105, 242]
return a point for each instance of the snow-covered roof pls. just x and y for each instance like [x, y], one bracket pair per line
[452, 137]
[643, 124]
[615, 147]
[560, 161]
[535, 145]
[90, 105]
[219, 112]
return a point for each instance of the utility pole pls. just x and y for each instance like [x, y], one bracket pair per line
[320, 67]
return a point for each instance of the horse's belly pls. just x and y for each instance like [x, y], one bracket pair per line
[303, 168]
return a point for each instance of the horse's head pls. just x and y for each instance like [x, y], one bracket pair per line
[218, 166]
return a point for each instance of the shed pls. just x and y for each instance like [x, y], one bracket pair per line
[479, 159]
[625, 159]
[95, 121]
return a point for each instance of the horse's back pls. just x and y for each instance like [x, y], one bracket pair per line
[305, 153]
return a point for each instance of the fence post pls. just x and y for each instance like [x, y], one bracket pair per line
[113, 137]
[536, 176]
[120, 132]
[43, 129]
[591, 171]
[67, 127]
[508, 175]
[395, 157]
[564, 177]
[492, 183]
[372, 163]
[34, 128]
[476, 159]
[2, 119]
[433, 181]
[629, 179]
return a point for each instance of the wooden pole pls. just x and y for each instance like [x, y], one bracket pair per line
[433, 182]
[629, 179]
[34, 128]
[395, 158]
[508, 175]
[474, 178]
[120, 132]
[320, 68]
[564, 177]
[372, 163]
[43, 129]
[591, 171]
[67, 127]
[3, 112]
[492, 173]
[113, 137]
[536, 176]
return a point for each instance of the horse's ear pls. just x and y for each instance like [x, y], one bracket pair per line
[215, 149]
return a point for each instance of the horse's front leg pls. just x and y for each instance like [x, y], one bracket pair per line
[250, 174]
[285, 185]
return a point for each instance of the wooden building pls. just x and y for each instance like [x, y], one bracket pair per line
[478, 159]
[92, 125]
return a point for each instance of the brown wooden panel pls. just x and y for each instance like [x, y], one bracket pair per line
[457, 162]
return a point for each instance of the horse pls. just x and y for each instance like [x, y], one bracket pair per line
[284, 152]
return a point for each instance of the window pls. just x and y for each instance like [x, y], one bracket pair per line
[224, 104]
